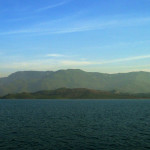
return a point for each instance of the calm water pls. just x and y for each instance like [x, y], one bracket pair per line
[75, 124]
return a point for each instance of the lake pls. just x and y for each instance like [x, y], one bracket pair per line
[75, 124]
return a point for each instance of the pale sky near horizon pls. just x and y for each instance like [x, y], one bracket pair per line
[94, 35]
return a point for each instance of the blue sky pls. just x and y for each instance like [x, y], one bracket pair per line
[94, 35]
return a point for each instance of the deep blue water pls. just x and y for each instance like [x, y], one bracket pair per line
[75, 124]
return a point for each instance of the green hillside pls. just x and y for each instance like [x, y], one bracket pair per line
[32, 81]
[78, 93]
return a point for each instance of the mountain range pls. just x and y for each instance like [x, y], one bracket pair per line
[33, 81]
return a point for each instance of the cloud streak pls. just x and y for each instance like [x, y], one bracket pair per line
[54, 55]
[76, 26]
[37, 64]
[55, 64]
[80, 63]
[52, 6]
[125, 59]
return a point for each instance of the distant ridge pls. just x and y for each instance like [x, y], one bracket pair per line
[33, 81]
[78, 93]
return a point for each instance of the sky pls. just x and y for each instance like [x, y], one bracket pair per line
[110, 36]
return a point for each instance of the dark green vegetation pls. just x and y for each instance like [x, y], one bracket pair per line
[33, 81]
[79, 93]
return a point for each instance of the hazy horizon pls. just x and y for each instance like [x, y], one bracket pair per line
[101, 36]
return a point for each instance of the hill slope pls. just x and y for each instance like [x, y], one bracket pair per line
[32, 81]
[79, 93]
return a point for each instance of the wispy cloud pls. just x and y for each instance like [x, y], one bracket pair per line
[54, 55]
[80, 63]
[76, 63]
[52, 6]
[59, 30]
[56, 64]
[63, 63]
[76, 26]
[126, 59]
[31, 64]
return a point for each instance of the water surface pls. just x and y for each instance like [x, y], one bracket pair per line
[75, 124]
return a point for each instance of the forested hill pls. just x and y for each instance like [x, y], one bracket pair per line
[79, 93]
[33, 81]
